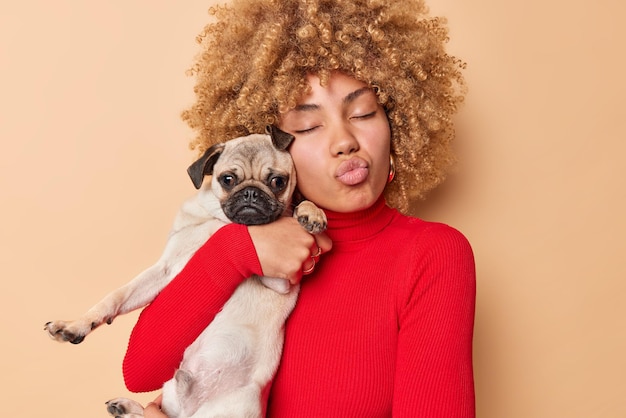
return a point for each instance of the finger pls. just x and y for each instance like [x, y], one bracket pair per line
[323, 242]
[316, 251]
[295, 278]
[308, 267]
[154, 407]
[153, 410]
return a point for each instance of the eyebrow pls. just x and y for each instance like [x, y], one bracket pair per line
[355, 94]
[350, 97]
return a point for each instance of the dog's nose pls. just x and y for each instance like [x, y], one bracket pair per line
[251, 194]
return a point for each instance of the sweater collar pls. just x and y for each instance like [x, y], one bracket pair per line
[360, 225]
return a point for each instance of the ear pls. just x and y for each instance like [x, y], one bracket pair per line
[280, 139]
[204, 165]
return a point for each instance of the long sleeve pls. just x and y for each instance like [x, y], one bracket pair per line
[186, 307]
[436, 318]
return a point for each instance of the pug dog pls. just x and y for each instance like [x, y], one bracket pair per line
[225, 370]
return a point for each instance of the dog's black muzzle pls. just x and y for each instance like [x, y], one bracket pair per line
[252, 206]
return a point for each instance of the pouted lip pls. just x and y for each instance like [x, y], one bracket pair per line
[352, 171]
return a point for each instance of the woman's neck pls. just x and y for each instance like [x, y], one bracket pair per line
[359, 225]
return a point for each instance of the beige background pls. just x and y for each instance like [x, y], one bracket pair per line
[92, 170]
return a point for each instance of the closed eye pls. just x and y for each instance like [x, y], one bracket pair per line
[304, 131]
[365, 116]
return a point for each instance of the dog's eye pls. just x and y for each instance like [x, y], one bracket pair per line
[278, 183]
[228, 181]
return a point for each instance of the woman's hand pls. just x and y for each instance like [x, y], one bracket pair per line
[285, 249]
[153, 409]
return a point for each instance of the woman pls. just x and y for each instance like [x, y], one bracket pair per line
[384, 321]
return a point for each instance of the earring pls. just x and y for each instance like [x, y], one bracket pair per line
[392, 169]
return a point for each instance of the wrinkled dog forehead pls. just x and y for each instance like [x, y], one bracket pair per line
[254, 157]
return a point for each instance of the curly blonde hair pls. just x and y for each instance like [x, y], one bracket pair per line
[256, 54]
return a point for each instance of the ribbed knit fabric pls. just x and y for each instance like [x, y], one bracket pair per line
[186, 307]
[382, 328]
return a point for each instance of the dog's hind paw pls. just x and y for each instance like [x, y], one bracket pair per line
[124, 408]
[61, 331]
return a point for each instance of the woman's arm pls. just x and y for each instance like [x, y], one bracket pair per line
[186, 306]
[434, 361]
[189, 303]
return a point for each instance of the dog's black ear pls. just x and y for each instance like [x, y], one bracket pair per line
[204, 165]
[280, 139]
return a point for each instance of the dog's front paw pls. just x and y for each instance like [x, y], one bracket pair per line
[124, 408]
[312, 218]
[63, 331]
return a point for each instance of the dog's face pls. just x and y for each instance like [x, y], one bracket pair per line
[253, 177]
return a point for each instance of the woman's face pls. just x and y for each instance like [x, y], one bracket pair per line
[341, 150]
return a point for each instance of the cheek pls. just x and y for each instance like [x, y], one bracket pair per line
[305, 167]
[308, 172]
[303, 157]
[378, 144]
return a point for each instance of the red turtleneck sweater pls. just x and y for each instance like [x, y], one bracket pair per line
[382, 328]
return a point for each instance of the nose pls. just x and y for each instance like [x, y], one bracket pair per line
[344, 142]
[251, 194]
